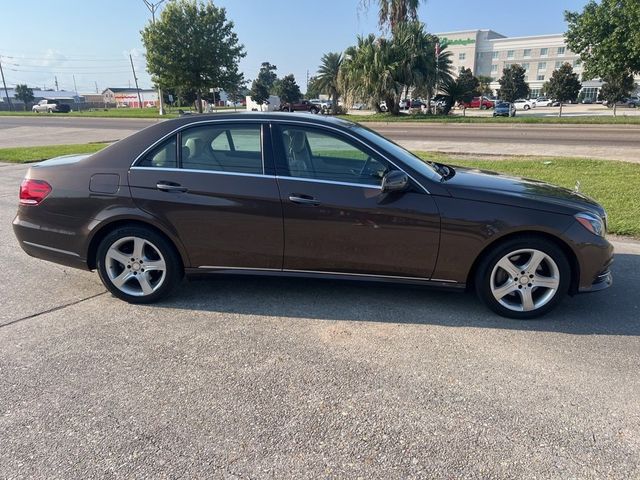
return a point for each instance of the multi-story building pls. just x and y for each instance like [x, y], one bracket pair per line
[487, 53]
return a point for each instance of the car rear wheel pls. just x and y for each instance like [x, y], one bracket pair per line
[523, 278]
[313, 111]
[138, 265]
[50, 110]
[526, 107]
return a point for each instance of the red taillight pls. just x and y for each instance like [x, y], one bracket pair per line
[32, 192]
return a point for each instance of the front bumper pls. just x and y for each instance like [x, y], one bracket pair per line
[601, 282]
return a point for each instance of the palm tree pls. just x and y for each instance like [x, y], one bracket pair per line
[328, 78]
[392, 13]
[368, 71]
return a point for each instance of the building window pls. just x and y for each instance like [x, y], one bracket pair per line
[494, 68]
[527, 53]
[559, 64]
[544, 52]
[561, 51]
[540, 78]
[535, 93]
[462, 56]
[525, 66]
[510, 53]
[542, 66]
[495, 55]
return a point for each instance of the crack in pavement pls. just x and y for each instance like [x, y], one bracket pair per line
[54, 309]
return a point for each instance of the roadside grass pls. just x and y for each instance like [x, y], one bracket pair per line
[418, 118]
[109, 113]
[35, 154]
[616, 185]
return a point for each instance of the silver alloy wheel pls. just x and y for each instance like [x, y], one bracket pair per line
[135, 266]
[525, 280]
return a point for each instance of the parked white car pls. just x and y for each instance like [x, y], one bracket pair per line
[523, 104]
[543, 102]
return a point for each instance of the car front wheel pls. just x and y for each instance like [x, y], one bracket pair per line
[523, 278]
[138, 265]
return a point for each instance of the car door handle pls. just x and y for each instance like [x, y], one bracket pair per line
[170, 187]
[303, 200]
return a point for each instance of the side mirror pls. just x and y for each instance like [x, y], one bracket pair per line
[395, 181]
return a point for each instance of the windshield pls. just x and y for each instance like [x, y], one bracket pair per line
[424, 167]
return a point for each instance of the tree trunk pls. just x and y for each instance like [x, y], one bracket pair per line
[199, 101]
[614, 108]
[560, 114]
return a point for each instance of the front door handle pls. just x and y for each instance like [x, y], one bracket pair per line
[303, 200]
[170, 187]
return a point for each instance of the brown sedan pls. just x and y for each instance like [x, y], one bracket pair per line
[282, 194]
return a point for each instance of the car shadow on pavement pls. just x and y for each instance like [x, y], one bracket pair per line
[615, 311]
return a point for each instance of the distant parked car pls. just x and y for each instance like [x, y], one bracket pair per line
[543, 102]
[301, 106]
[587, 101]
[475, 103]
[631, 102]
[359, 106]
[504, 109]
[51, 106]
[523, 104]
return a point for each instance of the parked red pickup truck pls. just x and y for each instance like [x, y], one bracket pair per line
[475, 103]
[301, 106]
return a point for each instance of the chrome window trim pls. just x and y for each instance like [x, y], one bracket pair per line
[328, 182]
[353, 137]
[193, 170]
[261, 123]
[201, 123]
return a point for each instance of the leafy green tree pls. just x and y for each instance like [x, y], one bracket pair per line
[288, 90]
[563, 85]
[392, 13]
[466, 87]
[192, 46]
[512, 84]
[259, 92]
[267, 76]
[616, 88]
[606, 37]
[485, 84]
[328, 79]
[24, 94]
[313, 89]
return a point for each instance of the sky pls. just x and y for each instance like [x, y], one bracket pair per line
[91, 40]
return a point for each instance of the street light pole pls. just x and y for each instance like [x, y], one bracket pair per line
[152, 8]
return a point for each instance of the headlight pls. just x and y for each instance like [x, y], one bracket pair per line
[591, 222]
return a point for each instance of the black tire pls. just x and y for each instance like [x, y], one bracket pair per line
[483, 107]
[526, 107]
[173, 272]
[488, 263]
[50, 111]
[313, 111]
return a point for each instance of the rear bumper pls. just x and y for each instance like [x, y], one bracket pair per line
[53, 243]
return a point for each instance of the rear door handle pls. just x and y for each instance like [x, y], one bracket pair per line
[170, 187]
[303, 200]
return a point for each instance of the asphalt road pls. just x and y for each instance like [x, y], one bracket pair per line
[262, 378]
[620, 142]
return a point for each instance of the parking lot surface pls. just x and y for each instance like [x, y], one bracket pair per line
[263, 378]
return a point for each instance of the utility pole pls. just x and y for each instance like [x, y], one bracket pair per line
[136, 80]
[97, 87]
[6, 92]
[56, 82]
[75, 87]
[307, 82]
[152, 8]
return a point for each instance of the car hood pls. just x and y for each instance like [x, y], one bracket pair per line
[486, 186]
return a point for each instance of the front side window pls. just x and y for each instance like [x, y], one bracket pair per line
[224, 148]
[322, 156]
[162, 156]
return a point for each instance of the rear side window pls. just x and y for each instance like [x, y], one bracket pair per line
[163, 156]
[224, 148]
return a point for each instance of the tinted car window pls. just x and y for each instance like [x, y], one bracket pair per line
[322, 156]
[224, 148]
[163, 156]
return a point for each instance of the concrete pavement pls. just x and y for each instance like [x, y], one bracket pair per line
[262, 378]
[615, 142]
